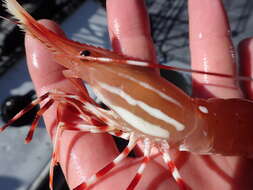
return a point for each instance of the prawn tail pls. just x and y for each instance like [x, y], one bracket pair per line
[223, 126]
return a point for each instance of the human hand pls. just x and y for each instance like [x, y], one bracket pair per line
[83, 154]
[212, 51]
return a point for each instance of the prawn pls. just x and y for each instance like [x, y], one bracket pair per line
[142, 105]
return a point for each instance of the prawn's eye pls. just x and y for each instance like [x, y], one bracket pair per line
[85, 53]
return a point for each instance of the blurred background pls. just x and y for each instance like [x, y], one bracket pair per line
[25, 167]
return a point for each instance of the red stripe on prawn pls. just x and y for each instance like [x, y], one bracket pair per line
[173, 120]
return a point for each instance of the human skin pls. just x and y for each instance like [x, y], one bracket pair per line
[129, 32]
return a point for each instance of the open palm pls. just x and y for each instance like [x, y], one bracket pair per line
[83, 154]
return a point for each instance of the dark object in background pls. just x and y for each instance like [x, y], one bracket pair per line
[177, 79]
[13, 104]
[103, 3]
[59, 182]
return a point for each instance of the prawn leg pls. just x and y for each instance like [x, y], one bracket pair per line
[60, 96]
[172, 166]
[137, 178]
[25, 110]
[36, 120]
[61, 126]
[94, 178]
[56, 145]
[59, 129]
[120, 134]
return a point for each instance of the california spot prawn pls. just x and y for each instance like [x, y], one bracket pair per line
[173, 120]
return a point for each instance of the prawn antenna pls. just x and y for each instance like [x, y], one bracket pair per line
[142, 63]
[9, 20]
[235, 77]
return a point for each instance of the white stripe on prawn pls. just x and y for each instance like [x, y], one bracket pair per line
[140, 124]
[135, 121]
[147, 86]
[110, 60]
[148, 109]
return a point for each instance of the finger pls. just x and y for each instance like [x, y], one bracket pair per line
[211, 49]
[246, 65]
[129, 28]
[77, 159]
[129, 31]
